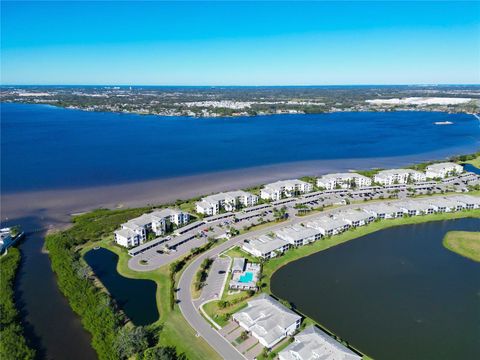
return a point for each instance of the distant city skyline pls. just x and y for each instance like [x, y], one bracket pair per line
[243, 44]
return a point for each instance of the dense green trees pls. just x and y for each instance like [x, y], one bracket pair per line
[111, 338]
[12, 343]
[162, 353]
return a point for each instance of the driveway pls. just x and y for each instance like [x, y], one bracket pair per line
[247, 344]
[254, 352]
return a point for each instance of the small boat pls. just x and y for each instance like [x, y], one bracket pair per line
[443, 123]
[96, 248]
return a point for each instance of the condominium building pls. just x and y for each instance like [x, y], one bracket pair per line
[443, 170]
[134, 232]
[344, 181]
[297, 235]
[355, 218]
[285, 188]
[383, 211]
[229, 201]
[398, 176]
[267, 320]
[265, 247]
[328, 226]
[313, 343]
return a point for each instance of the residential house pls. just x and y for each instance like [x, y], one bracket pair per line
[267, 320]
[312, 343]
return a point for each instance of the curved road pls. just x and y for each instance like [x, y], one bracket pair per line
[184, 295]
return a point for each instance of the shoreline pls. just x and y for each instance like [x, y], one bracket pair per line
[54, 207]
[373, 110]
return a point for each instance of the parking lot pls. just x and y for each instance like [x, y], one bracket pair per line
[215, 280]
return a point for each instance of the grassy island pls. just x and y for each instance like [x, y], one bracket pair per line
[464, 243]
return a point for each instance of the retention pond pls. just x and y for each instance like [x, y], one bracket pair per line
[393, 294]
[135, 297]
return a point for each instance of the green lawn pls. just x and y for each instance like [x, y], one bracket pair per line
[236, 251]
[464, 243]
[475, 162]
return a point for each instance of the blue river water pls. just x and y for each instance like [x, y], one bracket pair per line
[45, 147]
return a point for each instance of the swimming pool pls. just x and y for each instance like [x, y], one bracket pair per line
[247, 277]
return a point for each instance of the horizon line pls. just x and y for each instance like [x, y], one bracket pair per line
[233, 85]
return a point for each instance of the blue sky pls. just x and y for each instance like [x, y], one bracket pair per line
[240, 43]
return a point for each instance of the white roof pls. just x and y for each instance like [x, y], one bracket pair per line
[266, 244]
[467, 199]
[397, 171]
[226, 195]
[163, 213]
[353, 215]
[327, 223]
[267, 317]
[126, 233]
[296, 232]
[285, 183]
[313, 343]
[382, 208]
[442, 166]
[417, 205]
[344, 176]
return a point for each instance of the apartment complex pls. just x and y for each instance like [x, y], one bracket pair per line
[343, 181]
[134, 232]
[443, 170]
[298, 235]
[285, 188]
[228, 201]
[398, 176]
[265, 247]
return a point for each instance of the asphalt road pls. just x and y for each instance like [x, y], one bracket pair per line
[184, 295]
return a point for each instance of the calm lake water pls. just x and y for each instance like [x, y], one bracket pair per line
[394, 294]
[135, 297]
[44, 147]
